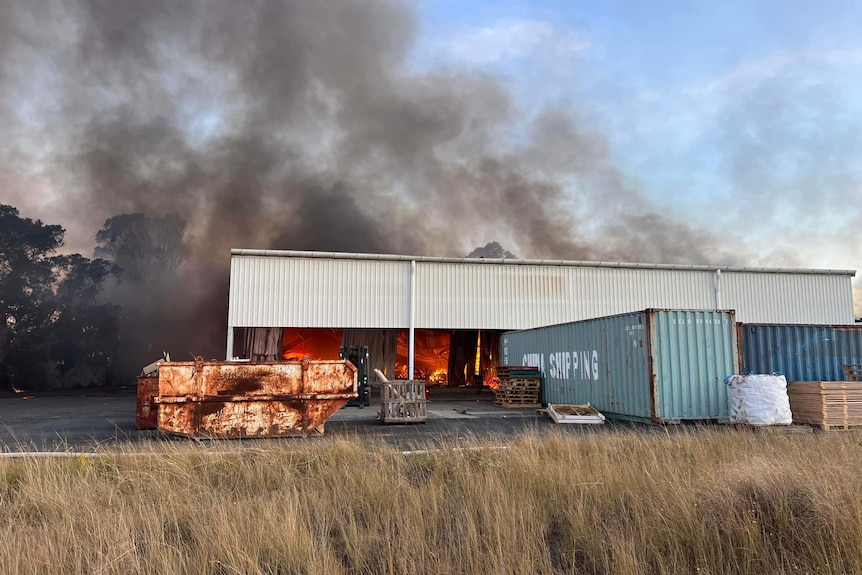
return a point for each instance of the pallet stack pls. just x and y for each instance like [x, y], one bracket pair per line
[827, 404]
[520, 386]
[853, 371]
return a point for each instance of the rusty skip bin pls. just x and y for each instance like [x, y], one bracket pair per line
[146, 414]
[251, 399]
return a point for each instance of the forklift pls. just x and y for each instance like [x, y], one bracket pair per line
[358, 356]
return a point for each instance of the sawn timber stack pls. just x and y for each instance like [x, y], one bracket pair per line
[827, 404]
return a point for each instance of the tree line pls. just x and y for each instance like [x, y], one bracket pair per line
[70, 320]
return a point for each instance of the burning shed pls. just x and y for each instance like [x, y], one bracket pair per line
[440, 319]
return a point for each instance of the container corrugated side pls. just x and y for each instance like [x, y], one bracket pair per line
[655, 365]
[693, 352]
[582, 364]
[800, 352]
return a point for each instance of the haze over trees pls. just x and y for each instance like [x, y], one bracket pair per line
[68, 320]
[492, 250]
[145, 248]
[148, 251]
[56, 329]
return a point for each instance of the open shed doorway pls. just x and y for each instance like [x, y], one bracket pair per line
[443, 358]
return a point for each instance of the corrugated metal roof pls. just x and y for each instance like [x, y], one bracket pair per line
[318, 289]
[525, 262]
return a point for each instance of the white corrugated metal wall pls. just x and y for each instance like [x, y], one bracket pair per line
[305, 292]
[307, 289]
[789, 298]
[487, 296]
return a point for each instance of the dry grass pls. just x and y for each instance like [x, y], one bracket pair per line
[703, 501]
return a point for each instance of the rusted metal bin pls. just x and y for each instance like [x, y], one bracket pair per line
[252, 399]
[147, 412]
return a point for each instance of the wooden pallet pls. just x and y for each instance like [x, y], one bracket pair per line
[520, 404]
[521, 384]
[526, 396]
[853, 371]
[518, 392]
[583, 414]
[403, 402]
[826, 404]
[519, 400]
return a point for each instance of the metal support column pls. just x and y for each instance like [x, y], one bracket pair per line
[718, 289]
[229, 352]
[412, 337]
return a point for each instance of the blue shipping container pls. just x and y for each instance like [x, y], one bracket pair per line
[800, 352]
[660, 366]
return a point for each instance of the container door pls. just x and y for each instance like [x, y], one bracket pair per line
[638, 398]
[602, 389]
[693, 351]
[626, 366]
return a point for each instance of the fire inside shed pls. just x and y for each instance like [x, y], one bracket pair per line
[441, 357]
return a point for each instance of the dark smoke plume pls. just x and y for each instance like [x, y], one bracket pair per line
[296, 125]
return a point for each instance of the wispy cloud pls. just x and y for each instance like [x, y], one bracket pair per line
[752, 72]
[510, 41]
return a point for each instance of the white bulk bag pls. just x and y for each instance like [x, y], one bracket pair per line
[759, 399]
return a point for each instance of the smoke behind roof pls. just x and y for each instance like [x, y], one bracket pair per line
[300, 125]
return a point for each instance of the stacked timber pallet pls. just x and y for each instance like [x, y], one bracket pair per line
[853, 371]
[827, 404]
[520, 386]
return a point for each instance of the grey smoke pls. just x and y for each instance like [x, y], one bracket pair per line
[299, 125]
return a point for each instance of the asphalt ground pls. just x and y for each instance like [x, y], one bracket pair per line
[91, 419]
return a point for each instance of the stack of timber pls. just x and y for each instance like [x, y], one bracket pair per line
[403, 402]
[520, 386]
[827, 404]
[853, 371]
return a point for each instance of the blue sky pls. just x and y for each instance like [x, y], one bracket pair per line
[738, 115]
